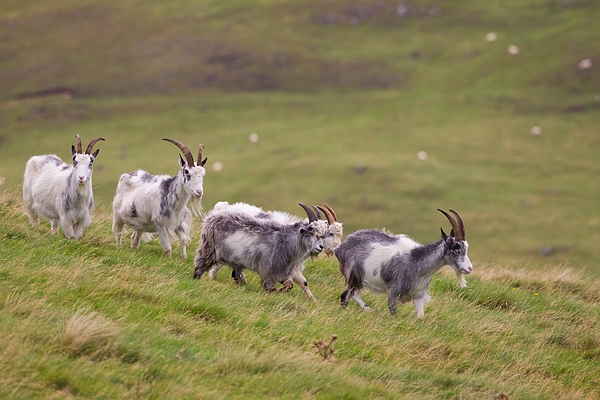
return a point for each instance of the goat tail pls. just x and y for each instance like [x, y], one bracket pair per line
[31, 171]
[221, 206]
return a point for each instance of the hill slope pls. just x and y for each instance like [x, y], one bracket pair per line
[89, 320]
[344, 96]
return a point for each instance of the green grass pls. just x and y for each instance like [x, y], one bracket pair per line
[343, 95]
[90, 320]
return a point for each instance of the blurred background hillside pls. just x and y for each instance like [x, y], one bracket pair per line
[386, 110]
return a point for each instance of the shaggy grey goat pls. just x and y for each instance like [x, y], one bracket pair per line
[332, 239]
[159, 203]
[61, 192]
[399, 266]
[265, 246]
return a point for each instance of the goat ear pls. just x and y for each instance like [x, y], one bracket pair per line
[73, 150]
[203, 162]
[444, 236]
[181, 162]
[95, 154]
[452, 233]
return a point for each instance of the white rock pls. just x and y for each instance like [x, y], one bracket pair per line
[584, 64]
[218, 166]
[491, 37]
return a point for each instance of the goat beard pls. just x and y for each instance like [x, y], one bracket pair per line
[195, 205]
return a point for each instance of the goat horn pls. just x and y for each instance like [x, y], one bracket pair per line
[310, 213]
[200, 162]
[91, 145]
[331, 211]
[317, 213]
[78, 144]
[455, 226]
[461, 226]
[330, 218]
[186, 152]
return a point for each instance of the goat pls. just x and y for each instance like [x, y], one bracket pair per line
[265, 246]
[398, 265]
[61, 192]
[331, 241]
[158, 203]
[335, 230]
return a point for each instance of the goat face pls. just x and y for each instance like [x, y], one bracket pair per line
[455, 253]
[82, 166]
[312, 236]
[193, 178]
[333, 237]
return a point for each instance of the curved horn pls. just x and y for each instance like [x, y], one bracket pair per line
[200, 161]
[461, 226]
[331, 211]
[330, 218]
[317, 213]
[91, 145]
[455, 226]
[310, 213]
[78, 144]
[186, 152]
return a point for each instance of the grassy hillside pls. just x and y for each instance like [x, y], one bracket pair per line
[343, 96]
[386, 111]
[89, 320]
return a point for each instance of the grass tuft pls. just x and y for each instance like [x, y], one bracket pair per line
[88, 334]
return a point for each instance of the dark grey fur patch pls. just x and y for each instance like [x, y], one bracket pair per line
[54, 160]
[146, 177]
[134, 213]
[67, 200]
[263, 215]
[167, 190]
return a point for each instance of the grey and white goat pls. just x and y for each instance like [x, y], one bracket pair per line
[268, 247]
[331, 240]
[159, 203]
[399, 266]
[61, 192]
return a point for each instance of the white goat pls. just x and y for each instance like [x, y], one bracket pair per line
[399, 266]
[61, 192]
[158, 203]
[268, 247]
[332, 238]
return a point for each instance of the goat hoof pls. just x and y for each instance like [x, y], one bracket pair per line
[287, 286]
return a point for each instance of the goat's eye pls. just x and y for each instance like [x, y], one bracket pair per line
[457, 251]
[74, 162]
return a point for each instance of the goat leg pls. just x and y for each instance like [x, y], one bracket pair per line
[269, 285]
[287, 286]
[238, 276]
